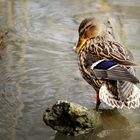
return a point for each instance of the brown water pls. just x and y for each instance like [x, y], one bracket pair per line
[39, 66]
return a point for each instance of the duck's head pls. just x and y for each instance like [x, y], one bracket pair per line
[88, 29]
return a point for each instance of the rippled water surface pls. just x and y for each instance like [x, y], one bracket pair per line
[39, 67]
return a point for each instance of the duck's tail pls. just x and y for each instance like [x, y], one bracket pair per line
[131, 101]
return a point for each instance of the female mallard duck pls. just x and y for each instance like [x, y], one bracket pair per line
[107, 66]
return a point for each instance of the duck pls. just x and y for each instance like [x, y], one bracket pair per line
[107, 65]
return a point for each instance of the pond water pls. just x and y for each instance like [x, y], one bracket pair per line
[39, 67]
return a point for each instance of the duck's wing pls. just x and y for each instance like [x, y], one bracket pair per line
[111, 70]
[120, 88]
[115, 61]
[116, 65]
[121, 94]
[114, 51]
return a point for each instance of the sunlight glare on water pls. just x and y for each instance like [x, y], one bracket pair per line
[39, 67]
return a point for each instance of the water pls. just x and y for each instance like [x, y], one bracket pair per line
[39, 67]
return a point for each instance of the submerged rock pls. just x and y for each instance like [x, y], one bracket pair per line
[71, 118]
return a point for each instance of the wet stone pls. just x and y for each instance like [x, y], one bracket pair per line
[71, 118]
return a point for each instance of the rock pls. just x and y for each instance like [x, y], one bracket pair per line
[71, 118]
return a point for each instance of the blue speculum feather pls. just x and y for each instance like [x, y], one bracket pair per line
[105, 65]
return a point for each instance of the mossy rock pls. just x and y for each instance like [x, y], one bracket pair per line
[71, 118]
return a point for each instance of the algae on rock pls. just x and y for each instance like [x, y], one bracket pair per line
[71, 118]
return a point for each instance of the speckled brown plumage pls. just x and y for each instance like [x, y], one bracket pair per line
[116, 85]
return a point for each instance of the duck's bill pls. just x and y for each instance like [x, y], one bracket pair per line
[80, 45]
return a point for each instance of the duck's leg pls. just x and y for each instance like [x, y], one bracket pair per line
[97, 100]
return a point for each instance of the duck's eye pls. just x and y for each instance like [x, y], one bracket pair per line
[88, 26]
[93, 27]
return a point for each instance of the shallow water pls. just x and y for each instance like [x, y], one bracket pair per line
[39, 67]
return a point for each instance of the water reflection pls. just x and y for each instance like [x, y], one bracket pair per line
[12, 65]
